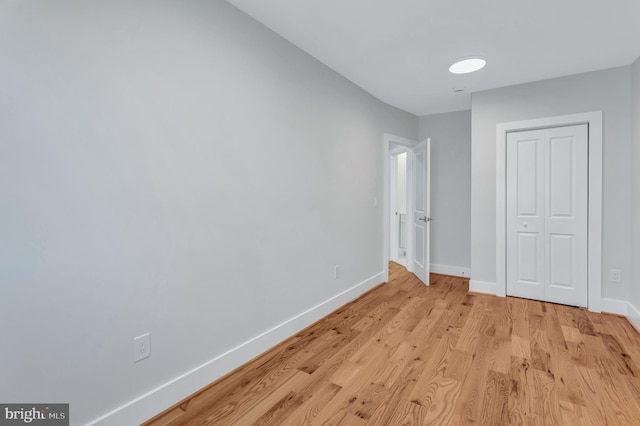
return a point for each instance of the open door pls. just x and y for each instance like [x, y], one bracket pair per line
[420, 210]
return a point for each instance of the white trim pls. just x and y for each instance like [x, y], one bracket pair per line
[633, 315]
[387, 140]
[456, 271]
[397, 150]
[400, 261]
[476, 286]
[613, 306]
[620, 307]
[399, 140]
[155, 401]
[594, 120]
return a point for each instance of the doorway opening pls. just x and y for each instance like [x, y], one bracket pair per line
[398, 205]
[406, 234]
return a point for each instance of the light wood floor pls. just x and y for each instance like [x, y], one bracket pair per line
[406, 354]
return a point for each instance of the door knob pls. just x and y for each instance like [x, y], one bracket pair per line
[424, 219]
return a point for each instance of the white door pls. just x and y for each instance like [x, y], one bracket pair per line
[547, 187]
[419, 201]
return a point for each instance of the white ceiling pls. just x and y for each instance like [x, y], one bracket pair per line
[400, 50]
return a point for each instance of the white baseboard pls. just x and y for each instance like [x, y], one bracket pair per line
[401, 261]
[157, 400]
[457, 271]
[620, 307]
[613, 306]
[483, 287]
[633, 314]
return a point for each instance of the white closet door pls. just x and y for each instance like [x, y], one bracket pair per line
[566, 243]
[547, 187]
[525, 215]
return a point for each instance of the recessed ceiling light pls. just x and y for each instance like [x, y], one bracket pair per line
[467, 65]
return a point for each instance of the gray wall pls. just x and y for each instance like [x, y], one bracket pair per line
[635, 188]
[606, 90]
[450, 135]
[172, 167]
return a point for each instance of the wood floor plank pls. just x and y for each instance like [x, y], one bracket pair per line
[520, 384]
[590, 383]
[311, 406]
[409, 354]
[623, 362]
[469, 406]
[520, 313]
[253, 405]
[520, 347]
[563, 369]
[367, 399]
[326, 347]
[335, 410]
[446, 392]
[496, 399]
[545, 399]
[620, 405]
[407, 413]
[500, 361]
[574, 414]
[437, 362]
[471, 331]
[393, 368]
[399, 394]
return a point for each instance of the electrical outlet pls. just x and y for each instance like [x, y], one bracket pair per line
[141, 347]
[337, 272]
[615, 276]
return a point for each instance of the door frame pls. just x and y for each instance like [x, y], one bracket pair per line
[593, 120]
[386, 214]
